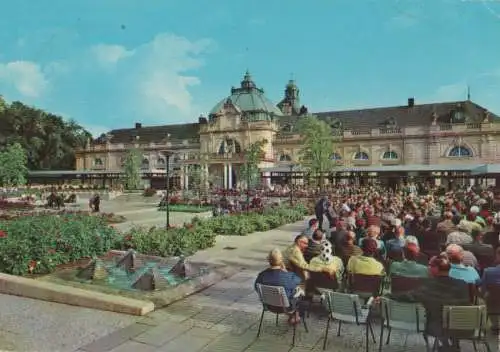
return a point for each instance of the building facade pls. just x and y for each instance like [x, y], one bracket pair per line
[449, 133]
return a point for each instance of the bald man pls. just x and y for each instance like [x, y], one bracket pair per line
[277, 275]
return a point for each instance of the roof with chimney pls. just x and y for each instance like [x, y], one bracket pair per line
[407, 115]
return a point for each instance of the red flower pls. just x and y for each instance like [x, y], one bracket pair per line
[31, 266]
[3, 234]
[128, 238]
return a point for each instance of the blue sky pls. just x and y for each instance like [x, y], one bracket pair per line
[110, 63]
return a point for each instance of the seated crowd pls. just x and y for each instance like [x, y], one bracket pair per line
[450, 244]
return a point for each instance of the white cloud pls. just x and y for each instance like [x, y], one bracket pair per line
[26, 77]
[108, 55]
[158, 75]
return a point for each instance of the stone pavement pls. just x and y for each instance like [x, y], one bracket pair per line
[225, 316]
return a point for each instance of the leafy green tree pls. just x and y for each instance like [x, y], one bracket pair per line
[318, 142]
[49, 141]
[13, 169]
[250, 173]
[132, 169]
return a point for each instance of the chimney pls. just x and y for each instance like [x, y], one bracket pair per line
[138, 125]
[411, 102]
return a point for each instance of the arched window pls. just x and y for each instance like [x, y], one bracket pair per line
[390, 155]
[160, 163]
[285, 157]
[145, 163]
[361, 156]
[335, 156]
[460, 151]
[98, 162]
[229, 146]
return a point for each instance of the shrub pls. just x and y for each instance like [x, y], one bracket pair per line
[201, 233]
[38, 244]
[158, 241]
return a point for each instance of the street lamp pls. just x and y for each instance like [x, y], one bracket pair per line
[248, 186]
[168, 154]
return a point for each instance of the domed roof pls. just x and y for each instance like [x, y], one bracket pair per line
[250, 100]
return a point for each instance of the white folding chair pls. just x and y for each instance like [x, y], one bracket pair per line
[275, 300]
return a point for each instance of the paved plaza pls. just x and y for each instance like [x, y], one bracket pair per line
[221, 318]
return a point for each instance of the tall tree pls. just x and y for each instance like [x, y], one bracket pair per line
[250, 173]
[318, 144]
[50, 142]
[13, 169]
[132, 169]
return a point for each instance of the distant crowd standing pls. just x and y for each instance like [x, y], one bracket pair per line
[447, 241]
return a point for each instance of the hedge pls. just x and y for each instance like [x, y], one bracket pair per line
[201, 233]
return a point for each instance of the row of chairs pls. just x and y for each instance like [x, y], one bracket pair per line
[459, 322]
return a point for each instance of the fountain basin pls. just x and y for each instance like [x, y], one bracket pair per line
[120, 282]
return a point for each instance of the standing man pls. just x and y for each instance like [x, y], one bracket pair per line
[322, 209]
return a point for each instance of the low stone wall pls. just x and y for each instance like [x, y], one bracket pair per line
[52, 292]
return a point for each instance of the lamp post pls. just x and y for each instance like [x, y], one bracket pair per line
[168, 154]
[248, 186]
[291, 184]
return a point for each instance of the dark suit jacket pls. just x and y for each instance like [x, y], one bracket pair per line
[484, 253]
[434, 294]
[313, 250]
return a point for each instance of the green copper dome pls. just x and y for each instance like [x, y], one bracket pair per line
[251, 101]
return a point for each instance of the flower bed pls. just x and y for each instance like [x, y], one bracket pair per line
[110, 218]
[201, 233]
[19, 205]
[186, 208]
[37, 244]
